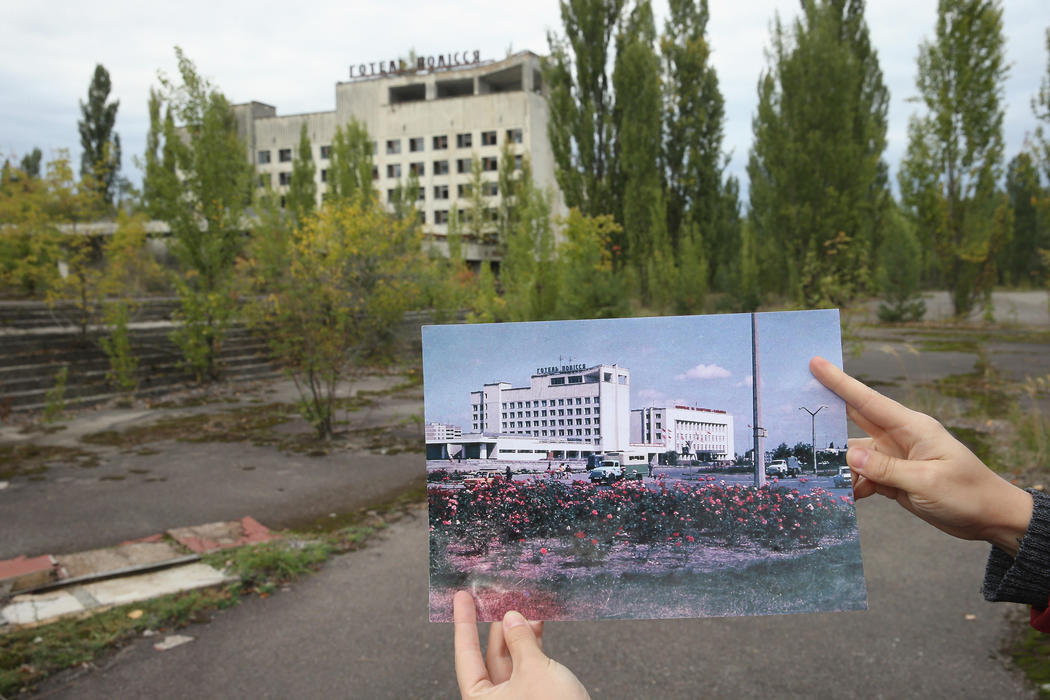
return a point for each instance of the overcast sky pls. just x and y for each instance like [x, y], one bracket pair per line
[291, 56]
[700, 361]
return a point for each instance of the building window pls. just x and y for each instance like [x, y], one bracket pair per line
[463, 190]
[441, 192]
[577, 379]
[464, 140]
[556, 381]
[284, 155]
[393, 147]
[622, 378]
[490, 164]
[491, 189]
[393, 170]
[440, 143]
[517, 161]
[463, 165]
[441, 216]
[415, 145]
[488, 138]
[514, 135]
[422, 194]
[607, 376]
[265, 179]
[264, 157]
[324, 175]
[391, 194]
[326, 152]
[416, 169]
[284, 178]
[441, 167]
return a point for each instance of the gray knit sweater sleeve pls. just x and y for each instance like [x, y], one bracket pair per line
[1026, 577]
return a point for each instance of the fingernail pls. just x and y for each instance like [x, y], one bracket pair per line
[860, 458]
[513, 619]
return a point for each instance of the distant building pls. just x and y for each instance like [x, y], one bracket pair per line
[699, 433]
[429, 121]
[441, 431]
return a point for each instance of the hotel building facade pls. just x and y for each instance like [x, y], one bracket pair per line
[430, 121]
[699, 433]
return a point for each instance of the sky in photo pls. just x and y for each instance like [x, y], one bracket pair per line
[291, 56]
[697, 360]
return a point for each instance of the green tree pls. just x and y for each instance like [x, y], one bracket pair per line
[636, 80]
[351, 272]
[955, 150]
[350, 165]
[590, 286]
[100, 159]
[1041, 109]
[199, 186]
[900, 271]
[817, 179]
[1019, 259]
[694, 121]
[580, 97]
[301, 200]
[30, 164]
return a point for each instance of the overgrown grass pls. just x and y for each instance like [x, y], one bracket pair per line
[30, 460]
[1030, 652]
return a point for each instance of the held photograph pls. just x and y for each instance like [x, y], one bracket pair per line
[639, 468]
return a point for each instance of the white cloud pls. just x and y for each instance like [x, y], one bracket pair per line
[651, 395]
[746, 381]
[704, 372]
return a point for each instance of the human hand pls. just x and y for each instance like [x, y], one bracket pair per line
[516, 665]
[912, 459]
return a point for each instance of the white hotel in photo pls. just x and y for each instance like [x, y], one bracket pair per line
[430, 120]
[575, 410]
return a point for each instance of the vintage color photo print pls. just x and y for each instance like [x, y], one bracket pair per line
[581, 470]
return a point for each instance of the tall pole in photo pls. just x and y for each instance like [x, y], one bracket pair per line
[813, 432]
[756, 393]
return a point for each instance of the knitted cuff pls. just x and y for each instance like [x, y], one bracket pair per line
[1026, 577]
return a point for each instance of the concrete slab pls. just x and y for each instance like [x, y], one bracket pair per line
[222, 535]
[130, 589]
[22, 573]
[99, 561]
[30, 609]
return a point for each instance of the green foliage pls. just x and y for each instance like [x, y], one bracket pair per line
[580, 98]
[350, 165]
[100, 160]
[954, 160]
[1019, 261]
[301, 200]
[198, 179]
[265, 565]
[123, 365]
[350, 273]
[899, 271]
[55, 399]
[30, 163]
[589, 285]
[818, 182]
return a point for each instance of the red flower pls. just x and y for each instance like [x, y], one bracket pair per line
[543, 550]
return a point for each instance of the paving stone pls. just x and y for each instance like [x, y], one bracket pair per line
[129, 589]
[100, 561]
[22, 573]
[29, 608]
[222, 535]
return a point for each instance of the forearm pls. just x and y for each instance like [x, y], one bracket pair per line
[1024, 577]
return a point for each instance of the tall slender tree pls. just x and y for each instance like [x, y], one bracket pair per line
[1019, 259]
[638, 180]
[580, 96]
[100, 159]
[350, 167]
[817, 179]
[955, 150]
[301, 200]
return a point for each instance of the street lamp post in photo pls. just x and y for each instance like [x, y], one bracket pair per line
[813, 432]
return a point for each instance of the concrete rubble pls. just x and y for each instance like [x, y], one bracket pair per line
[37, 590]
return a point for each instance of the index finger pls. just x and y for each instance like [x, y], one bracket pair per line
[881, 411]
[470, 666]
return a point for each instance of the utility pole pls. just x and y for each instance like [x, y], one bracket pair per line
[756, 422]
[813, 432]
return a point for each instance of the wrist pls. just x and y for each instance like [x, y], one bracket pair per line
[1013, 515]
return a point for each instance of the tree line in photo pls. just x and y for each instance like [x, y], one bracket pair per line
[654, 223]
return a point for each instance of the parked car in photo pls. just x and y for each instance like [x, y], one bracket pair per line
[843, 479]
[485, 475]
[777, 468]
[606, 474]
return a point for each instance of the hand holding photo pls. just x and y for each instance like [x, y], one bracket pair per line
[636, 468]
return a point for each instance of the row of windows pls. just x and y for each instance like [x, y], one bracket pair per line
[489, 188]
[415, 145]
[553, 412]
[545, 423]
[542, 403]
[568, 432]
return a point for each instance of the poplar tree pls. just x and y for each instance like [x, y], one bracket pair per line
[100, 159]
[301, 200]
[817, 179]
[198, 180]
[1019, 259]
[955, 149]
[350, 165]
[636, 79]
[580, 97]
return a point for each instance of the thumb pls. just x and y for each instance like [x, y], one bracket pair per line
[521, 640]
[885, 469]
